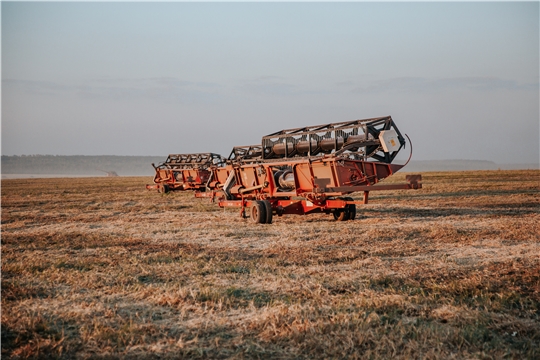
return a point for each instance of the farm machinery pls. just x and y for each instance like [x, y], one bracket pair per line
[196, 171]
[310, 170]
[185, 172]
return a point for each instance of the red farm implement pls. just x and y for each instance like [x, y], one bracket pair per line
[310, 170]
[220, 174]
[185, 172]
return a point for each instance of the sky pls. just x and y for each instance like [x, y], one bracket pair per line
[135, 78]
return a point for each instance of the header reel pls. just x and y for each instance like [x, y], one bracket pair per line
[376, 138]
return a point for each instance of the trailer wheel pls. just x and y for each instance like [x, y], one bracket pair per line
[351, 208]
[268, 209]
[341, 214]
[258, 212]
[164, 188]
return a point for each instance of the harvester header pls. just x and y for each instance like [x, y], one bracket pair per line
[185, 171]
[192, 161]
[301, 171]
[376, 138]
[245, 154]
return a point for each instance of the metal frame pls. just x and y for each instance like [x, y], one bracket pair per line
[357, 139]
[297, 171]
[245, 154]
[185, 172]
[192, 161]
[310, 169]
[303, 186]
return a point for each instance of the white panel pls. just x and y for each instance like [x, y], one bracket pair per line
[389, 140]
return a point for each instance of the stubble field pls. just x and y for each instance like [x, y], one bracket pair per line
[102, 268]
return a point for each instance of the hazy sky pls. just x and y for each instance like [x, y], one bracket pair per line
[461, 79]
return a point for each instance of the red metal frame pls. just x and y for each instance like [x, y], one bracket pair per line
[315, 185]
[185, 172]
[296, 171]
[186, 179]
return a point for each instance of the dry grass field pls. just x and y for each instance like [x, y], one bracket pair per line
[103, 268]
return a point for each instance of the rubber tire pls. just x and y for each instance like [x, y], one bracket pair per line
[268, 208]
[164, 188]
[352, 212]
[258, 212]
[352, 209]
[341, 214]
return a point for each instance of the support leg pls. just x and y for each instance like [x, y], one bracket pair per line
[366, 196]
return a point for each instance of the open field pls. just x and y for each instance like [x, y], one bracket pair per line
[102, 268]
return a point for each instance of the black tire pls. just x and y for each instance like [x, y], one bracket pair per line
[341, 214]
[352, 212]
[268, 209]
[351, 208]
[258, 212]
[348, 213]
[163, 188]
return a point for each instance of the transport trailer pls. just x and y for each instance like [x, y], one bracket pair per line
[312, 169]
[305, 187]
[185, 172]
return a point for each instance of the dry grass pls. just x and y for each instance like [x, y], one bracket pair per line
[102, 268]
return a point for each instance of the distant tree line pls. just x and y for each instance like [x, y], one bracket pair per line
[79, 164]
